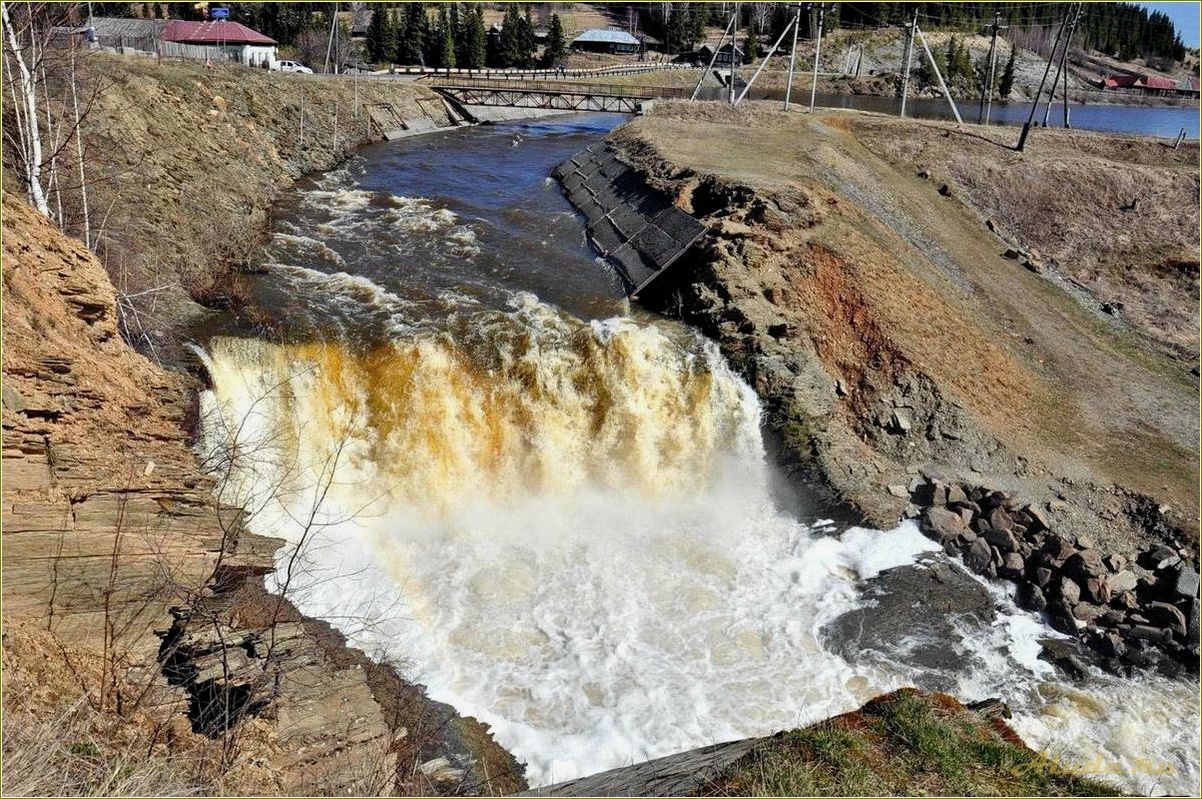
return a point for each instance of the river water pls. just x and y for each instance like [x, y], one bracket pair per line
[556, 511]
[1160, 121]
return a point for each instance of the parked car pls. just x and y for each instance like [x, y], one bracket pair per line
[293, 66]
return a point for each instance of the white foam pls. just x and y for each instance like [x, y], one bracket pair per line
[567, 530]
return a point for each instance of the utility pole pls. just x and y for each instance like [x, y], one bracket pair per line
[734, 53]
[817, 52]
[763, 64]
[793, 56]
[1022, 137]
[987, 96]
[908, 59]
[713, 59]
[939, 76]
[1062, 67]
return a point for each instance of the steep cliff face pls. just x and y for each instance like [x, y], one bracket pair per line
[123, 577]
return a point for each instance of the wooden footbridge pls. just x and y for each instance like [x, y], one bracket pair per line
[559, 95]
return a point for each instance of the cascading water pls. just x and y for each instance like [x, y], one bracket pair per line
[564, 526]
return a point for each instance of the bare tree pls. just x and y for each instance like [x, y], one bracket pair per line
[26, 108]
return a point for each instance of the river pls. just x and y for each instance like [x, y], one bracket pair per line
[1144, 120]
[555, 510]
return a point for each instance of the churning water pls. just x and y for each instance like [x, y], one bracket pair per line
[557, 513]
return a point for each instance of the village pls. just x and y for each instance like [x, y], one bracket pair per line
[360, 40]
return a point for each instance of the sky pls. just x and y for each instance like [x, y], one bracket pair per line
[1184, 16]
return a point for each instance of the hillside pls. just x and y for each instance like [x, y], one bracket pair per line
[876, 312]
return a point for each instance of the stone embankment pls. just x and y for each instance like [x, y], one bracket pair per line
[1135, 609]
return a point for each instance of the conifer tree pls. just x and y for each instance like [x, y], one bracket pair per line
[557, 49]
[380, 35]
[1007, 83]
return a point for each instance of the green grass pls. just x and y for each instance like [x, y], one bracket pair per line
[906, 743]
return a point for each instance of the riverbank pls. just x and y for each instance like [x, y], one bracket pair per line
[888, 747]
[128, 588]
[894, 330]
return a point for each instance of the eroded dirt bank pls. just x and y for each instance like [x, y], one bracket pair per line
[898, 335]
[126, 588]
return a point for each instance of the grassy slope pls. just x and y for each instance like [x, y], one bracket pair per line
[904, 743]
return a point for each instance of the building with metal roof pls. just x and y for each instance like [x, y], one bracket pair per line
[596, 40]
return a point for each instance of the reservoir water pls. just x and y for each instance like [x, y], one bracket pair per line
[556, 511]
[1163, 121]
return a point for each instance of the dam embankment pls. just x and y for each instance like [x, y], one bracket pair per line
[878, 383]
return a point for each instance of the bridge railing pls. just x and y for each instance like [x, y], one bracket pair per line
[563, 87]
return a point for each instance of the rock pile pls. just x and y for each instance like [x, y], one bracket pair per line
[1136, 610]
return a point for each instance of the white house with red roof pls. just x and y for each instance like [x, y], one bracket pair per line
[235, 40]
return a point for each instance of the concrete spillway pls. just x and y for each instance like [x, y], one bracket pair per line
[634, 226]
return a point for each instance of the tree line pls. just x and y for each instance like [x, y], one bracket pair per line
[1123, 29]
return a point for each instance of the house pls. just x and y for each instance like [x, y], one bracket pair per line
[1151, 84]
[724, 55]
[233, 39]
[596, 40]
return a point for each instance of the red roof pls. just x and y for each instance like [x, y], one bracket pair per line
[220, 31]
[1120, 80]
[1158, 82]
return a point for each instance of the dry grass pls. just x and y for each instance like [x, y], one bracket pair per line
[67, 755]
[1119, 216]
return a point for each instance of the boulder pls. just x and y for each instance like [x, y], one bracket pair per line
[1012, 566]
[978, 556]
[1042, 576]
[1030, 596]
[1184, 582]
[1002, 539]
[1087, 612]
[1039, 521]
[1123, 581]
[1115, 562]
[1058, 506]
[942, 524]
[1169, 616]
[899, 422]
[1068, 591]
[1086, 563]
[1191, 631]
[955, 494]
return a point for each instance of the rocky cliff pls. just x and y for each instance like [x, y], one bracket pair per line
[914, 367]
[122, 577]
